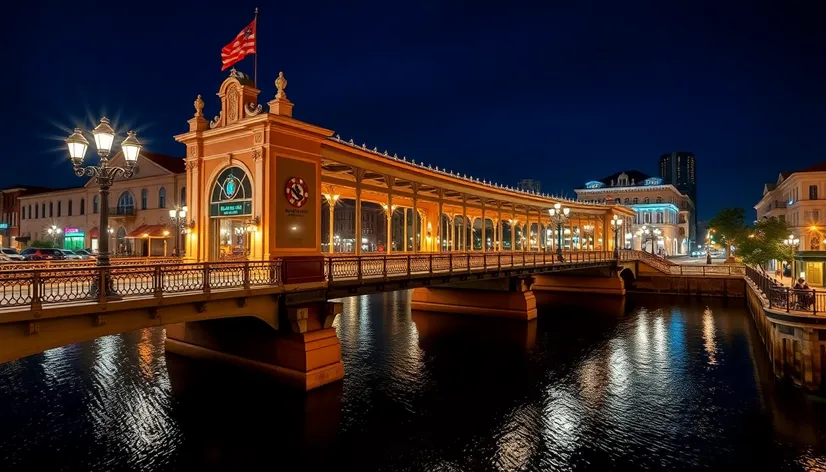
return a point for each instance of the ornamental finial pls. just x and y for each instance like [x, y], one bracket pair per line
[199, 106]
[281, 84]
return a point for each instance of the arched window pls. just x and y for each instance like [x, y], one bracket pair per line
[617, 201]
[30, 211]
[659, 199]
[659, 217]
[144, 199]
[58, 208]
[51, 209]
[22, 213]
[162, 198]
[183, 196]
[815, 242]
[95, 204]
[43, 209]
[627, 200]
[82, 206]
[70, 208]
[36, 210]
[126, 204]
[636, 200]
[646, 200]
[232, 194]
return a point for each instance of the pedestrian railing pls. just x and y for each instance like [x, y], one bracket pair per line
[340, 268]
[787, 299]
[52, 283]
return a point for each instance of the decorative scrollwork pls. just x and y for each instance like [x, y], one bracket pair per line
[216, 122]
[250, 109]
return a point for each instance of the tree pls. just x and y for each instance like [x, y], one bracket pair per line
[43, 244]
[730, 226]
[765, 243]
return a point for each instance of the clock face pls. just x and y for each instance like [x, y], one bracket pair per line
[297, 192]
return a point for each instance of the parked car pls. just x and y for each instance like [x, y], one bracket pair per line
[84, 254]
[11, 253]
[42, 254]
[70, 255]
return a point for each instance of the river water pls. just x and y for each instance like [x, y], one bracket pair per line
[594, 384]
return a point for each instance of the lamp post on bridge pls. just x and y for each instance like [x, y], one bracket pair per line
[616, 226]
[104, 175]
[588, 236]
[559, 216]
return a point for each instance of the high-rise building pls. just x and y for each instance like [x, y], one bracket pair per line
[530, 185]
[678, 169]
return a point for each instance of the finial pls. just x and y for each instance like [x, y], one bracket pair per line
[199, 106]
[281, 84]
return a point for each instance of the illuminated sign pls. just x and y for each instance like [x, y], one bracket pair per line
[71, 230]
[237, 208]
[4, 226]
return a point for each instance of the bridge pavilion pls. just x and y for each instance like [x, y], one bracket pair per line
[264, 184]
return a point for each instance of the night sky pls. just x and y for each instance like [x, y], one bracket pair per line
[497, 90]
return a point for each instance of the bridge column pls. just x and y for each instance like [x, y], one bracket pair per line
[440, 238]
[415, 218]
[464, 222]
[484, 229]
[389, 211]
[500, 229]
[404, 218]
[357, 238]
[331, 202]
[527, 231]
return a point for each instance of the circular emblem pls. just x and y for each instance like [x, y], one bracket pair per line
[297, 192]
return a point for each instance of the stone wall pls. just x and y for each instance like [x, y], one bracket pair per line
[730, 287]
[796, 344]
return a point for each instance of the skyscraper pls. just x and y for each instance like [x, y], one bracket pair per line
[530, 185]
[678, 169]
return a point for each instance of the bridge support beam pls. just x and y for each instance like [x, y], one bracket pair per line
[503, 298]
[602, 281]
[304, 353]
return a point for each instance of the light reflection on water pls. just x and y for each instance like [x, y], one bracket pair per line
[594, 384]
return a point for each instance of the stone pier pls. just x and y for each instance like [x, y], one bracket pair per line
[501, 298]
[303, 353]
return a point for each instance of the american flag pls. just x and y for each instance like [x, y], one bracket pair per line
[242, 45]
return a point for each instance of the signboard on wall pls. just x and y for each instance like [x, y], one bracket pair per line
[4, 226]
[236, 208]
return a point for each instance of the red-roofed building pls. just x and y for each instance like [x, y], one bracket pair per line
[157, 186]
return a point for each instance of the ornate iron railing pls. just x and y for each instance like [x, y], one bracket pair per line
[49, 283]
[790, 300]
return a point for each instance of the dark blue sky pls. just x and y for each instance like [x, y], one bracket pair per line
[501, 90]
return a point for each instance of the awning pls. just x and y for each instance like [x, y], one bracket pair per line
[149, 231]
[94, 233]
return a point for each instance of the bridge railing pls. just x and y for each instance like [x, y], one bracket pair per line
[52, 284]
[339, 268]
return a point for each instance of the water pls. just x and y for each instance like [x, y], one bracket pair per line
[594, 384]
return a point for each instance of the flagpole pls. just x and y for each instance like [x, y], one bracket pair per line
[255, 66]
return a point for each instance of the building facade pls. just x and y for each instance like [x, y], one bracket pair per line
[139, 222]
[10, 235]
[679, 169]
[655, 204]
[799, 199]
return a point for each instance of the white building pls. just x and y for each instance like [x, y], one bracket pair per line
[657, 206]
[138, 210]
[799, 199]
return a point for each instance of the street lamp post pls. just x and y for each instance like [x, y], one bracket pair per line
[177, 216]
[588, 235]
[54, 232]
[558, 216]
[104, 175]
[648, 234]
[793, 242]
[616, 226]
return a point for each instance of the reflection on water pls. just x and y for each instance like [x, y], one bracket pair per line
[593, 384]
